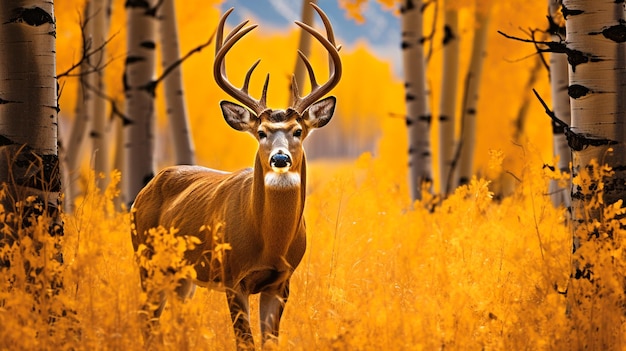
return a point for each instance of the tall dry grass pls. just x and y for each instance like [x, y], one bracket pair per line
[473, 273]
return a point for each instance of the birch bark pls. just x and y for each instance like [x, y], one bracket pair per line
[559, 81]
[29, 163]
[447, 108]
[97, 106]
[173, 86]
[74, 143]
[596, 33]
[139, 103]
[416, 97]
[469, 113]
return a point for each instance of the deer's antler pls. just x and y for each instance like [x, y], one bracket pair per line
[334, 65]
[222, 46]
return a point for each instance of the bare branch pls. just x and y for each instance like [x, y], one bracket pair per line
[87, 53]
[151, 87]
[115, 111]
[576, 141]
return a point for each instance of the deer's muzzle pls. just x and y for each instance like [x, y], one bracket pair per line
[280, 162]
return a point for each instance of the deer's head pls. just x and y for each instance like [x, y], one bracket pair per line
[280, 133]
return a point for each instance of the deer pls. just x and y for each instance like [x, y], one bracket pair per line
[258, 211]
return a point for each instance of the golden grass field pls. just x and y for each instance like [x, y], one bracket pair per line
[475, 273]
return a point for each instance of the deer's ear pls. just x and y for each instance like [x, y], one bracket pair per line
[320, 113]
[237, 116]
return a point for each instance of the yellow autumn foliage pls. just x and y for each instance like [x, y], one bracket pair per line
[473, 272]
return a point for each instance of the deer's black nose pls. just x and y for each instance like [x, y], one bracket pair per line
[280, 160]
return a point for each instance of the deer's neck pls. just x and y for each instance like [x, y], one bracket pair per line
[278, 206]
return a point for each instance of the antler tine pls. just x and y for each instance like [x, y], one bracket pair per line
[329, 27]
[309, 68]
[300, 104]
[294, 88]
[220, 30]
[219, 67]
[329, 31]
[246, 81]
[263, 100]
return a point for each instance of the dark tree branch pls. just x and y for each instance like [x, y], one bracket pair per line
[576, 141]
[86, 54]
[151, 86]
[574, 57]
[115, 111]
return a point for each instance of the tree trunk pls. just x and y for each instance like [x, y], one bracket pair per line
[559, 81]
[73, 145]
[468, 118]
[28, 103]
[29, 163]
[416, 97]
[97, 106]
[139, 93]
[447, 107]
[304, 44]
[173, 86]
[596, 53]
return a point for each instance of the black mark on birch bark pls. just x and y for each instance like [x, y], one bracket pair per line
[567, 12]
[34, 16]
[137, 4]
[616, 33]
[576, 91]
[2, 101]
[134, 59]
[448, 34]
[149, 44]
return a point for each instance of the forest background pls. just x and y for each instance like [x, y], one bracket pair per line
[487, 268]
[371, 106]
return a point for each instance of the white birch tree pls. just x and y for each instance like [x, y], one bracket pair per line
[448, 105]
[173, 85]
[418, 116]
[28, 102]
[97, 14]
[139, 103]
[90, 110]
[73, 144]
[467, 143]
[29, 163]
[559, 82]
[596, 35]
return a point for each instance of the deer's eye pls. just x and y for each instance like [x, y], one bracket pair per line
[262, 134]
[297, 133]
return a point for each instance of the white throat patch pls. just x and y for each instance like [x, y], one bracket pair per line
[282, 180]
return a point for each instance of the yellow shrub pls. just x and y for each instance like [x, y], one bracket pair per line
[468, 272]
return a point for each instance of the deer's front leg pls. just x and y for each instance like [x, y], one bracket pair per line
[240, 315]
[271, 309]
